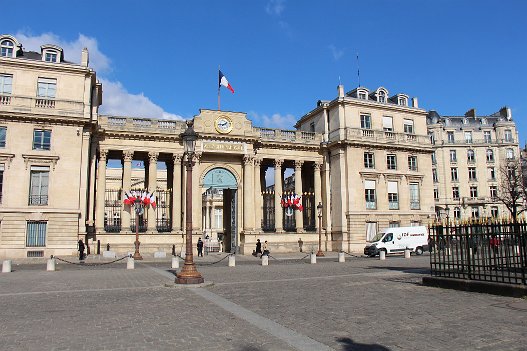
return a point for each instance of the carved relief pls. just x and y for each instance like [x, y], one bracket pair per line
[278, 163]
[298, 164]
[177, 158]
[317, 166]
[128, 156]
[103, 153]
[248, 159]
[152, 156]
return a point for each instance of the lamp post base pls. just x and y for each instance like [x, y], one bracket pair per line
[189, 275]
[320, 254]
[137, 255]
[189, 280]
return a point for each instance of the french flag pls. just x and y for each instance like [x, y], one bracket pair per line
[153, 201]
[223, 81]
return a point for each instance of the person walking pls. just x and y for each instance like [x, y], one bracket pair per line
[258, 248]
[81, 250]
[200, 247]
[265, 249]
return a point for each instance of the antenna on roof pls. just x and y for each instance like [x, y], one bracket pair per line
[339, 81]
[358, 68]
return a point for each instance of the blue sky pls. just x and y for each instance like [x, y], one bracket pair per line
[160, 58]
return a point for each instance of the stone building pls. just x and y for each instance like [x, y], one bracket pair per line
[470, 154]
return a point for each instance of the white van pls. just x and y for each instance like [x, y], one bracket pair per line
[396, 240]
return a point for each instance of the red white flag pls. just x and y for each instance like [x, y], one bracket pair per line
[223, 81]
[153, 201]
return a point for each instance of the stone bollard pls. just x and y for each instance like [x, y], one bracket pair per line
[6, 266]
[130, 263]
[265, 260]
[382, 255]
[313, 258]
[51, 265]
[342, 258]
[232, 261]
[175, 262]
[407, 253]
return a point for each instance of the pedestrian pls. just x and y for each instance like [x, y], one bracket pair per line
[258, 248]
[81, 250]
[265, 249]
[200, 247]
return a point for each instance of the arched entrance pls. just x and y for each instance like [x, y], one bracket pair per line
[221, 183]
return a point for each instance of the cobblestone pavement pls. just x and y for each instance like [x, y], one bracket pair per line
[363, 304]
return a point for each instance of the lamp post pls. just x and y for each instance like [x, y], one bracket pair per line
[447, 210]
[319, 209]
[138, 212]
[189, 274]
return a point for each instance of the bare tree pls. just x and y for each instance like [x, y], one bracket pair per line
[512, 190]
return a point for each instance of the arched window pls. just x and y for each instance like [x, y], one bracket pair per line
[490, 155]
[381, 96]
[6, 48]
[471, 156]
[510, 154]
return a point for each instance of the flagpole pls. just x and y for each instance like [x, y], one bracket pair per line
[219, 109]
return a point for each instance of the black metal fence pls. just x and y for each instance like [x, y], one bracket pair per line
[163, 221]
[486, 251]
[112, 211]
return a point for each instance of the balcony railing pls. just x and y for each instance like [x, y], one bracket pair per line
[415, 205]
[371, 135]
[142, 124]
[393, 205]
[371, 205]
[481, 141]
[5, 100]
[41, 104]
[288, 135]
[38, 200]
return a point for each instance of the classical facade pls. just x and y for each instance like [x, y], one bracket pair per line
[365, 156]
[471, 153]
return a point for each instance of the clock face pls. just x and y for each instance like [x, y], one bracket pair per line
[223, 124]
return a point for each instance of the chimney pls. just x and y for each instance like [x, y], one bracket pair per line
[415, 103]
[471, 113]
[340, 90]
[506, 112]
[84, 57]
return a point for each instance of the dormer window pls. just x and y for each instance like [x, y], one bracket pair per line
[381, 96]
[362, 95]
[402, 101]
[6, 48]
[51, 56]
[51, 53]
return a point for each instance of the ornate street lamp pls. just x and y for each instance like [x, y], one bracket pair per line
[447, 210]
[189, 274]
[319, 209]
[139, 210]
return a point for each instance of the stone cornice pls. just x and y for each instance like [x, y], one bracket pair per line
[40, 159]
[6, 157]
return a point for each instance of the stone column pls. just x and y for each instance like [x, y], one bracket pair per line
[152, 186]
[101, 191]
[83, 189]
[207, 217]
[299, 218]
[196, 193]
[176, 194]
[248, 193]
[318, 190]
[278, 215]
[126, 210]
[258, 201]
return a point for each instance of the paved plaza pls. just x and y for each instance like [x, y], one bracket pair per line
[362, 304]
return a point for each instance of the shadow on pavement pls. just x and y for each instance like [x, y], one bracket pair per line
[349, 345]
[402, 269]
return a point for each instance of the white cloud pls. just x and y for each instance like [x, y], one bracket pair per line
[337, 53]
[275, 7]
[275, 121]
[116, 99]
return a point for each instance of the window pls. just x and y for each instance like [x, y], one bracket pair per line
[36, 234]
[6, 83]
[490, 155]
[472, 174]
[369, 160]
[457, 213]
[455, 193]
[475, 212]
[415, 223]
[432, 137]
[312, 127]
[3, 133]
[51, 56]
[41, 139]
[393, 196]
[369, 194]
[510, 154]
[408, 126]
[491, 173]
[473, 192]
[468, 137]
[391, 162]
[453, 174]
[362, 95]
[493, 190]
[508, 135]
[394, 224]
[387, 124]
[365, 121]
[47, 88]
[487, 136]
[436, 194]
[494, 212]
[38, 189]
[434, 175]
[6, 48]
[434, 158]
[381, 97]
[511, 172]
[371, 231]
[402, 101]
[414, 196]
[471, 156]
[1, 182]
[450, 136]
[453, 156]
[218, 218]
[412, 163]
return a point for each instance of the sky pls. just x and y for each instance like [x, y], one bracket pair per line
[160, 59]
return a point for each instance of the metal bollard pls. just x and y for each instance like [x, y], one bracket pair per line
[342, 258]
[382, 255]
[313, 258]
[50, 265]
[6, 266]
[130, 263]
[175, 262]
[407, 253]
[265, 260]
[232, 261]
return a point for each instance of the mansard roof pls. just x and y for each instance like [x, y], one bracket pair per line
[470, 118]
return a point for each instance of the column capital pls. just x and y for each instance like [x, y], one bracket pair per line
[197, 157]
[278, 163]
[257, 161]
[177, 158]
[248, 159]
[128, 155]
[317, 166]
[298, 164]
[152, 156]
[103, 153]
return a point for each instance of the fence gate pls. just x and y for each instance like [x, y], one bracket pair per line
[112, 211]
[268, 211]
[309, 213]
[163, 220]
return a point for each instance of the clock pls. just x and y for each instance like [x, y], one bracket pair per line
[223, 124]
